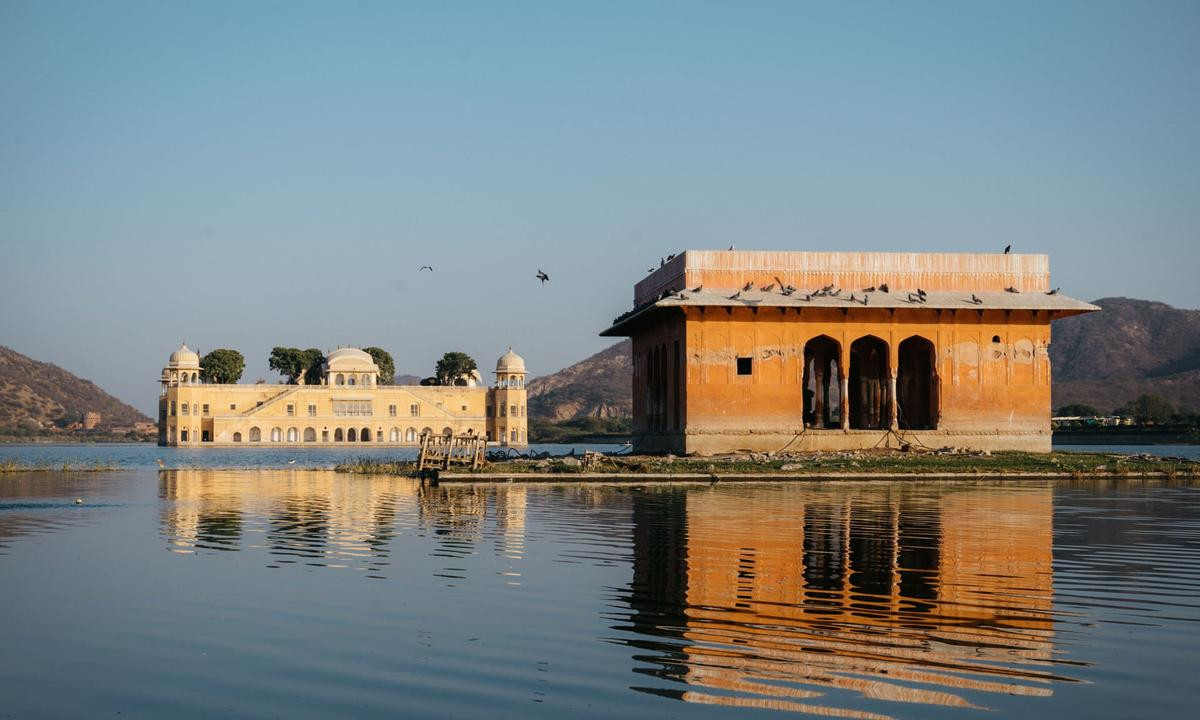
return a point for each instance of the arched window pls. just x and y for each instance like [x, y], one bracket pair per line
[426, 431]
[447, 431]
[255, 434]
[916, 385]
[366, 379]
[394, 435]
[340, 380]
[276, 435]
[194, 377]
[338, 436]
[869, 403]
[822, 385]
[410, 435]
[293, 435]
[351, 435]
[350, 380]
[237, 437]
[183, 378]
[310, 435]
[365, 435]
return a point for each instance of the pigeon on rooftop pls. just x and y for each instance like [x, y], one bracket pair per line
[976, 300]
[1007, 249]
[1053, 292]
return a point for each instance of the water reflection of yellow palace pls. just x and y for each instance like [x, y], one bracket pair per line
[348, 406]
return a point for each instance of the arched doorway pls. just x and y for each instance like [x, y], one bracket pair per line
[365, 435]
[338, 435]
[293, 435]
[869, 408]
[351, 435]
[310, 435]
[822, 390]
[917, 385]
[255, 434]
[237, 437]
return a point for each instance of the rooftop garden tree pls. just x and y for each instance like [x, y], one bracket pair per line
[454, 368]
[387, 366]
[223, 366]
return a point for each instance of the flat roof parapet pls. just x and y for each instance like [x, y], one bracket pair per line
[809, 270]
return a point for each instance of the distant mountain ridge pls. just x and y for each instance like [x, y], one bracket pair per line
[35, 394]
[600, 386]
[1103, 359]
[1129, 348]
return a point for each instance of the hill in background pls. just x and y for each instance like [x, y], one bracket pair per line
[597, 387]
[36, 395]
[1104, 359]
[1131, 347]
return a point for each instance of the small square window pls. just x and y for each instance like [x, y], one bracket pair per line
[233, 406]
[312, 410]
[392, 410]
[291, 410]
[205, 408]
[745, 365]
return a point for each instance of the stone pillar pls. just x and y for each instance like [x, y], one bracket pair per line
[844, 400]
[895, 421]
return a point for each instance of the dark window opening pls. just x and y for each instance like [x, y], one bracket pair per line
[995, 338]
[870, 407]
[744, 365]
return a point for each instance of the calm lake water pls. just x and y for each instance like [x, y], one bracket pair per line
[197, 593]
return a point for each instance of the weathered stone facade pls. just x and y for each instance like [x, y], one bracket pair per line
[828, 351]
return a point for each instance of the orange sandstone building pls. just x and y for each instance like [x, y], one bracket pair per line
[766, 351]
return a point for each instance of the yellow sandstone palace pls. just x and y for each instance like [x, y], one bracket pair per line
[349, 406]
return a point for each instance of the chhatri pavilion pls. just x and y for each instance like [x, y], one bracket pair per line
[773, 351]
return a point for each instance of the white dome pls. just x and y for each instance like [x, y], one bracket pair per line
[510, 362]
[184, 357]
[351, 359]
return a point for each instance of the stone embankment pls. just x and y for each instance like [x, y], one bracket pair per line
[848, 465]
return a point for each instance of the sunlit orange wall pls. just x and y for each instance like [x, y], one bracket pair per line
[983, 385]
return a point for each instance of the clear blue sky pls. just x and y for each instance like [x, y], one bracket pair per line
[273, 173]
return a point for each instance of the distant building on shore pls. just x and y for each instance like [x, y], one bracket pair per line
[91, 420]
[349, 406]
[772, 351]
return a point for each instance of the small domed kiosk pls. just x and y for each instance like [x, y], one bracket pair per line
[508, 424]
[350, 366]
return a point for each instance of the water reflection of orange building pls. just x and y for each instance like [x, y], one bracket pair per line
[907, 595]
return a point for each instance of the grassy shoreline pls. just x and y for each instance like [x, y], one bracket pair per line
[12, 465]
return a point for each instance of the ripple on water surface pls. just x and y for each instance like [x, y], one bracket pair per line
[315, 594]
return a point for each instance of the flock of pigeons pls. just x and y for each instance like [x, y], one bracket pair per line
[920, 297]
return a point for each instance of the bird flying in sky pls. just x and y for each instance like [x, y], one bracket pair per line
[425, 267]
[542, 276]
